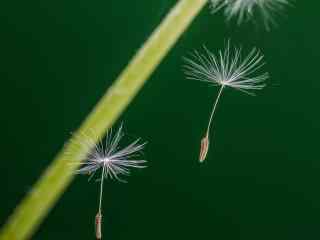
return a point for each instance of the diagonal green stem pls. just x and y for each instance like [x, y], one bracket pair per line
[37, 203]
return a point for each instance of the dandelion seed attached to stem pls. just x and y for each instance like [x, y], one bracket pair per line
[226, 69]
[113, 161]
[205, 140]
[98, 220]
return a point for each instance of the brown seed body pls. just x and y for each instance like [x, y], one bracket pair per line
[204, 148]
[98, 222]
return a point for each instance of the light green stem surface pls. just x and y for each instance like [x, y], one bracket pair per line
[37, 203]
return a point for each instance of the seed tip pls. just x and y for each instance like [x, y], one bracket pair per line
[204, 148]
[98, 222]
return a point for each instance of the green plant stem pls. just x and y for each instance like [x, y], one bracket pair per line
[37, 203]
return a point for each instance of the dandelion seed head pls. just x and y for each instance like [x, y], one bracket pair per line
[227, 68]
[245, 10]
[116, 161]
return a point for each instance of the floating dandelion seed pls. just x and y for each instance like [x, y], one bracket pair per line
[228, 69]
[113, 163]
[244, 10]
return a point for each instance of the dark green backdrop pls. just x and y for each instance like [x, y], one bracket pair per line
[261, 178]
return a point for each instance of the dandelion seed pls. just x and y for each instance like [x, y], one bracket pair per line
[113, 163]
[227, 69]
[204, 148]
[244, 10]
[98, 225]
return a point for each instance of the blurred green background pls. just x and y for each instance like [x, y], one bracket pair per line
[261, 178]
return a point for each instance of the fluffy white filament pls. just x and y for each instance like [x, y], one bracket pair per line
[108, 155]
[245, 10]
[227, 68]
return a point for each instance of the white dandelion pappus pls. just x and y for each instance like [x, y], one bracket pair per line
[113, 162]
[108, 156]
[244, 10]
[227, 69]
